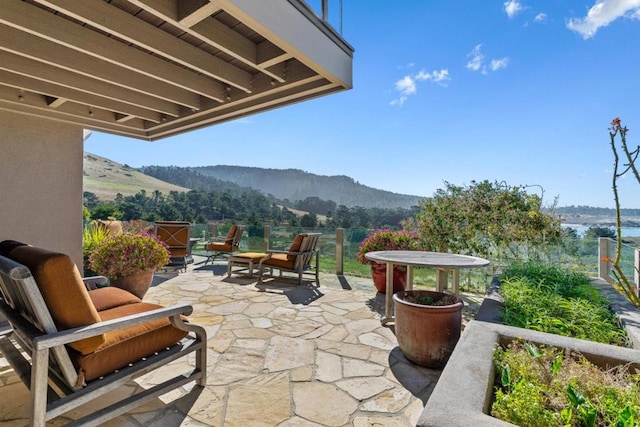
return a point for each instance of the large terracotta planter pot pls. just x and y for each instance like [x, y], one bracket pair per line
[137, 284]
[427, 334]
[379, 276]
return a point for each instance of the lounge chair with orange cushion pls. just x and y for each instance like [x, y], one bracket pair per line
[230, 244]
[83, 342]
[299, 258]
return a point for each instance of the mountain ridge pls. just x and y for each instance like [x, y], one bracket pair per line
[106, 178]
[296, 184]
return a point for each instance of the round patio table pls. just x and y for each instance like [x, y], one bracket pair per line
[443, 263]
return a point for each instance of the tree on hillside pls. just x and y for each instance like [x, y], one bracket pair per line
[106, 210]
[595, 231]
[309, 220]
[484, 218]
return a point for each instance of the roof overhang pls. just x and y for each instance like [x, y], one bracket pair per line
[154, 68]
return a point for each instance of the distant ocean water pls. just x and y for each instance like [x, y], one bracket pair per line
[625, 231]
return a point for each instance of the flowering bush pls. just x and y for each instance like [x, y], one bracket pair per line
[125, 254]
[387, 240]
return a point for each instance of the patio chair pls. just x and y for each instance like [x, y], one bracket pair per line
[176, 234]
[226, 247]
[71, 342]
[297, 259]
[110, 226]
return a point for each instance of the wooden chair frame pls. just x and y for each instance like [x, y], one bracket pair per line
[50, 374]
[303, 263]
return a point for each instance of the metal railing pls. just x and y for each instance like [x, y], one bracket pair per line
[338, 250]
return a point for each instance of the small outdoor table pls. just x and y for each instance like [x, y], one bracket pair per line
[442, 262]
[246, 261]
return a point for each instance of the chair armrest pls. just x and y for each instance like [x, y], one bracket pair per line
[291, 253]
[275, 251]
[92, 282]
[75, 334]
[218, 240]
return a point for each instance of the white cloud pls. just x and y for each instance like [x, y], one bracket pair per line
[541, 17]
[436, 76]
[602, 14]
[407, 86]
[476, 63]
[496, 64]
[512, 8]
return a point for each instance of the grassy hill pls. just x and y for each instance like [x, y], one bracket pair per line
[106, 178]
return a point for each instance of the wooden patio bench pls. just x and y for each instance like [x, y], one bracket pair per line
[71, 342]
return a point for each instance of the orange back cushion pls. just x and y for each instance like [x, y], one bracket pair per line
[63, 291]
[295, 246]
[232, 232]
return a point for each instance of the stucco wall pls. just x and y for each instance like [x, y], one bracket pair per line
[41, 183]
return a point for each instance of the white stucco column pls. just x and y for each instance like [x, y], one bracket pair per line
[41, 183]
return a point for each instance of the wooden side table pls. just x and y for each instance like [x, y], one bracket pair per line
[245, 261]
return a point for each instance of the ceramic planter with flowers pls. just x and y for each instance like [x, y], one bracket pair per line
[129, 260]
[387, 240]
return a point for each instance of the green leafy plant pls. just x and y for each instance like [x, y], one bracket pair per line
[551, 299]
[387, 240]
[92, 235]
[547, 386]
[125, 254]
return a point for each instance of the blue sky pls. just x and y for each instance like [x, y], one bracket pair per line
[520, 91]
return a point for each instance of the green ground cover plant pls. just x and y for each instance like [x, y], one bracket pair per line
[547, 386]
[553, 300]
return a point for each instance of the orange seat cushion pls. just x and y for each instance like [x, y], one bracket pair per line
[127, 345]
[280, 260]
[253, 256]
[219, 247]
[63, 291]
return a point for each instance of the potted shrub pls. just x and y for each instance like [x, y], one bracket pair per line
[129, 260]
[387, 240]
[427, 325]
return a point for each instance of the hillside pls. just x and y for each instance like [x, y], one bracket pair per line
[106, 178]
[294, 184]
[587, 215]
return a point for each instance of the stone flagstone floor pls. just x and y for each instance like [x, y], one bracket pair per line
[279, 355]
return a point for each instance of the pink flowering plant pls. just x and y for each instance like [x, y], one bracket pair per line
[387, 240]
[126, 254]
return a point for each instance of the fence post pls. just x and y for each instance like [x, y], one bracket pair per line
[267, 235]
[604, 266]
[636, 270]
[339, 251]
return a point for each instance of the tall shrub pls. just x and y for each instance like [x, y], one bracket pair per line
[484, 218]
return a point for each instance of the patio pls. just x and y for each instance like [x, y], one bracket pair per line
[279, 355]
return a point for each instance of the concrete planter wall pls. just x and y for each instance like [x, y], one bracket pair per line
[464, 391]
